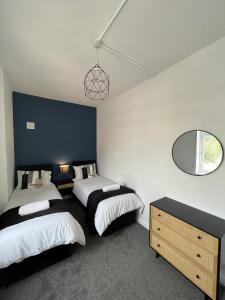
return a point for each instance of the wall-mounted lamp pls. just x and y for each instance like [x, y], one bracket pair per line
[64, 169]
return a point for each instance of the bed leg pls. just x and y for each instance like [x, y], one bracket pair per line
[157, 255]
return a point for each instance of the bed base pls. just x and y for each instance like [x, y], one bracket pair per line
[121, 222]
[34, 264]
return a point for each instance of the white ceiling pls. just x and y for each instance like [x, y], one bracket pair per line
[46, 45]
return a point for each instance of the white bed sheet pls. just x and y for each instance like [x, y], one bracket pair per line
[83, 187]
[21, 197]
[107, 210]
[34, 236]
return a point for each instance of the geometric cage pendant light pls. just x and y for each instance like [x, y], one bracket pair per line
[96, 83]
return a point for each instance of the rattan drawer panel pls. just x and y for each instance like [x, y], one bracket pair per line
[198, 254]
[198, 236]
[201, 279]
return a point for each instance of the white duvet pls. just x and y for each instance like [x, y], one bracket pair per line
[107, 210]
[21, 197]
[36, 235]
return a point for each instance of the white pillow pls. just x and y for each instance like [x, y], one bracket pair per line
[91, 168]
[19, 178]
[78, 172]
[46, 177]
[33, 178]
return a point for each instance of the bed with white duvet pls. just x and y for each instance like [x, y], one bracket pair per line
[109, 209]
[36, 235]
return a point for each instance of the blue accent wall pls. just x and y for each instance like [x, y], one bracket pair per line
[63, 131]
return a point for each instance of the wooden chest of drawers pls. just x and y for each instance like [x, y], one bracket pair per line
[190, 240]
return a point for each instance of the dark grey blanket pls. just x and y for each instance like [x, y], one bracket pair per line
[11, 216]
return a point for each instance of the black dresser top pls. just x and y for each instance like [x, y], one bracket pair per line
[200, 219]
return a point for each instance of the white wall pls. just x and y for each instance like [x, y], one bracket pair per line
[6, 141]
[136, 131]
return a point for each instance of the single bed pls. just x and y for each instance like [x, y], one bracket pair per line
[24, 237]
[111, 213]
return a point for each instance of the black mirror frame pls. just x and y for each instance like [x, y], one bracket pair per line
[198, 174]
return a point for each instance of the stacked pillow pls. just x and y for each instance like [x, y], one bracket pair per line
[85, 171]
[33, 179]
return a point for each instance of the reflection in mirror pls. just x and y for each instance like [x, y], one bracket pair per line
[197, 152]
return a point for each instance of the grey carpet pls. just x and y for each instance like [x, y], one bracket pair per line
[120, 266]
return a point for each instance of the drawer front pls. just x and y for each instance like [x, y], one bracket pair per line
[200, 237]
[65, 186]
[198, 254]
[204, 281]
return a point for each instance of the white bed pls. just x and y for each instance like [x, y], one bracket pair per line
[37, 235]
[107, 210]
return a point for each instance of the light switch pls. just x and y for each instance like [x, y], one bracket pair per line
[30, 125]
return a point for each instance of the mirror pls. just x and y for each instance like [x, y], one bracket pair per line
[197, 152]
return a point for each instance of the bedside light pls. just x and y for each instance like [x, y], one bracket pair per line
[64, 169]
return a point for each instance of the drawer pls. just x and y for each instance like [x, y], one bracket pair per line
[198, 254]
[65, 186]
[201, 279]
[200, 237]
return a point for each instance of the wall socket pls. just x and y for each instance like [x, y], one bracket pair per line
[30, 125]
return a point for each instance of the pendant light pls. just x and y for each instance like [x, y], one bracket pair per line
[96, 83]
